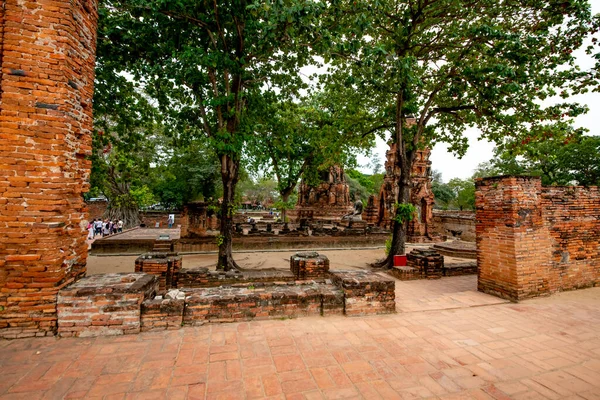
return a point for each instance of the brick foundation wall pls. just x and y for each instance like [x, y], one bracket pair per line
[203, 278]
[108, 304]
[126, 303]
[246, 303]
[534, 240]
[450, 222]
[429, 262]
[47, 61]
[161, 314]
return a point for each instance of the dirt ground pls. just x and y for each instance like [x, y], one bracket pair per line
[280, 260]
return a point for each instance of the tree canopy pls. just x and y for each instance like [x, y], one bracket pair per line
[452, 64]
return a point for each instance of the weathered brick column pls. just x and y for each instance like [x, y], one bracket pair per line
[47, 52]
[512, 241]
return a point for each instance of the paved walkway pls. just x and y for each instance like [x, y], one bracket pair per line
[441, 294]
[539, 349]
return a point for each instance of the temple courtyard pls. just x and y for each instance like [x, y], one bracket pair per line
[446, 341]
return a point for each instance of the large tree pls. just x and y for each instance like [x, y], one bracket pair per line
[207, 63]
[453, 64]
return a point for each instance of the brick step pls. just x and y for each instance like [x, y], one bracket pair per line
[464, 251]
[203, 277]
[232, 304]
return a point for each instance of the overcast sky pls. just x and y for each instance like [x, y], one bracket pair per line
[480, 151]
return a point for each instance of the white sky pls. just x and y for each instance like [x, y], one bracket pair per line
[480, 151]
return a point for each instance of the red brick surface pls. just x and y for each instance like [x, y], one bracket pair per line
[165, 266]
[102, 305]
[47, 62]
[534, 240]
[305, 265]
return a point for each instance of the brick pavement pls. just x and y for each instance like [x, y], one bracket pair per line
[545, 348]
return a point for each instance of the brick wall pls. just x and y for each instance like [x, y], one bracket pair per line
[451, 222]
[101, 305]
[534, 240]
[96, 209]
[47, 62]
[150, 218]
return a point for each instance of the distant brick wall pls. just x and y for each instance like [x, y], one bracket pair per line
[150, 218]
[534, 240]
[451, 222]
[47, 62]
[96, 209]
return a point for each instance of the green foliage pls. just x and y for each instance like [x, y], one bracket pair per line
[464, 193]
[442, 193]
[286, 205]
[569, 160]
[454, 64]
[185, 173]
[364, 184]
[142, 196]
[404, 212]
[263, 191]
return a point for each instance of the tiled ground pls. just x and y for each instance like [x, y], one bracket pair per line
[538, 349]
[441, 294]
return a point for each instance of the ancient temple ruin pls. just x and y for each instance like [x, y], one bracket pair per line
[421, 195]
[330, 200]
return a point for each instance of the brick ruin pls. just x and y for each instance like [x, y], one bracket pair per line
[421, 195]
[128, 303]
[47, 54]
[531, 240]
[197, 219]
[534, 240]
[330, 200]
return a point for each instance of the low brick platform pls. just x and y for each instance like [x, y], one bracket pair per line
[457, 248]
[429, 262]
[165, 266]
[365, 293]
[310, 264]
[273, 301]
[202, 277]
[454, 269]
[405, 273]
[106, 304]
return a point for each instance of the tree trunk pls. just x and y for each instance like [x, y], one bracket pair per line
[403, 161]
[284, 198]
[129, 215]
[229, 176]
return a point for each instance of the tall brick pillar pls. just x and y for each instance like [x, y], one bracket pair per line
[47, 54]
[512, 241]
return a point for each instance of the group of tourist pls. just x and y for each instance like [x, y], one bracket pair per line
[104, 228]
